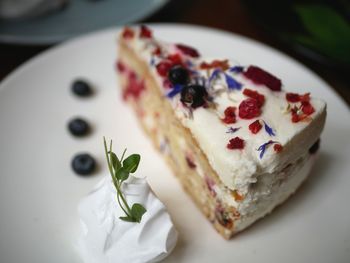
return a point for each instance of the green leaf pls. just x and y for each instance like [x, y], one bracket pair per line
[137, 211]
[115, 161]
[132, 162]
[328, 31]
[127, 219]
[122, 174]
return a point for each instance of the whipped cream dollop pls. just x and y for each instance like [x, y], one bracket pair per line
[106, 238]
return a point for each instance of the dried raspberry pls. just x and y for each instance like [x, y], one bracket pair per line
[305, 97]
[120, 66]
[249, 109]
[145, 32]
[260, 76]
[255, 127]
[163, 67]
[157, 51]
[189, 51]
[128, 33]
[277, 147]
[235, 143]
[222, 64]
[255, 95]
[307, 108]
[292, 97]
[175, 58]
[230, 115]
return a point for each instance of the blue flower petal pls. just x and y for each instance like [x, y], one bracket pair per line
[236, 69]
[175, 90]
[262, 148]
[269, 130]
[214, 75]
[232, 83]
[232, 130]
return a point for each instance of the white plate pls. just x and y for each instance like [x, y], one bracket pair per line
[39, 192]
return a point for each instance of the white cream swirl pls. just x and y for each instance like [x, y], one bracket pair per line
[106, 238]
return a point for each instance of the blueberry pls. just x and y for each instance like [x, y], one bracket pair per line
[78, 127]
[178, 75]
[314, 148]
[194, 95]
[83, 164]
[81, 88]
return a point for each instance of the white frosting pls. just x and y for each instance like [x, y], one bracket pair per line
[106, 239]
[237, 169]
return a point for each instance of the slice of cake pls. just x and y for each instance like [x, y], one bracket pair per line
[238, 143]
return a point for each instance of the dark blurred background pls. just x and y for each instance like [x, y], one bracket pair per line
[316, 33]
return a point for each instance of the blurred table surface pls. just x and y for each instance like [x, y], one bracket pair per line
[229, 15]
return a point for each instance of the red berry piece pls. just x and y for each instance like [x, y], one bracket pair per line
[222, 64]
[145, 32]
[255, 95]
[292, 97]
[249, 109]
[163, 67]
[260, 76]
[277, 148]
[230, 115]
[307, 108]
[189, 51]
[128, 33]
[157, 51]
[235, 143]
[175, 58]
[255, 127]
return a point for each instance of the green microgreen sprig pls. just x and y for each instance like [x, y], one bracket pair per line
[120, 170]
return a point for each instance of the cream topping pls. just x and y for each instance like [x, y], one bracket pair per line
[106, 238]
[237, 168]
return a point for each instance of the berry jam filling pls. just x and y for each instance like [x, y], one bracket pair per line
[134, 86]
[255, 127]
[194, 96]
[249, 109]
[260, 76]
[187, 50]
[223, 217]
[190, 162]
[230, 115]
[255, 95]
[235, 144]
[314, 148]
[210, 184]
